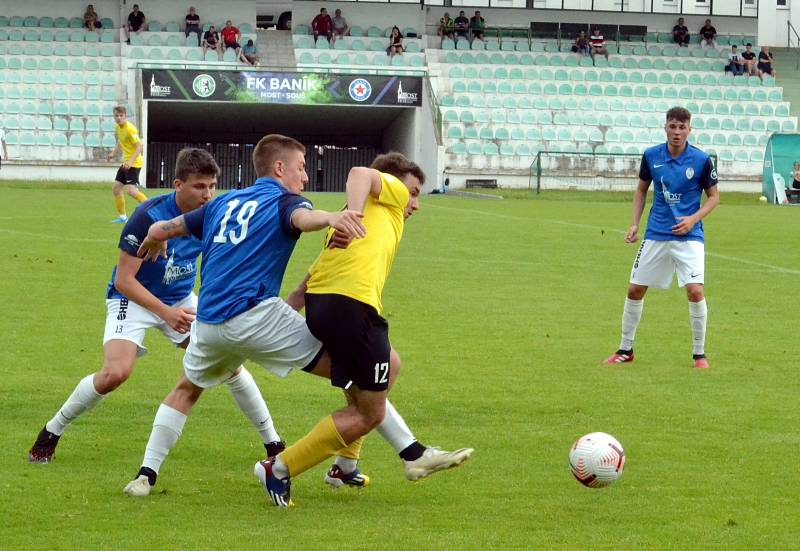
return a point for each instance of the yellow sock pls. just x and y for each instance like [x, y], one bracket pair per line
[140, 196]
[315, 447]
[119, 200]
[353, 451]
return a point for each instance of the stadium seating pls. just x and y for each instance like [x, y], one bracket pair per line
[557, 102]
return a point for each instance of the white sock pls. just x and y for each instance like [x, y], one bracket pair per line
[631, 314]
[245, 391]
[698, 316]
[346, 464]
[83, 398]
[167, 428]
[279, 468]
[394, 429]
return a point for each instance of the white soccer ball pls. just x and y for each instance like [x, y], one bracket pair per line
[596, 460]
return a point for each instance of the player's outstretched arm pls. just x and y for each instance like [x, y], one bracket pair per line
[639, 198]
[361, 183]
[155, 244]
[346, 221]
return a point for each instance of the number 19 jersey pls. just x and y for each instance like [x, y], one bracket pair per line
[248, 238]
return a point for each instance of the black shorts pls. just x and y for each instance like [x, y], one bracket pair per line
[232, 45]
[356, 338]
[130, 176]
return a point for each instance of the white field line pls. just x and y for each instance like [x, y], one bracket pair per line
[733, 259]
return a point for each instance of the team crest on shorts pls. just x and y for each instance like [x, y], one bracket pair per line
[689, 173]
[360, 89]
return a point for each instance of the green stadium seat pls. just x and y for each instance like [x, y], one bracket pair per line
[154, 27]
[92, 139]
[76, 140]
[211, 55]
[757, 156]
[76, 23]
[172, 27]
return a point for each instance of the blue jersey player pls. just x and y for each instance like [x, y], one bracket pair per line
[673, 242]
[248, 236]
[153, 295]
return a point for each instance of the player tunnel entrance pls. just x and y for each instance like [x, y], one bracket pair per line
[336, 138]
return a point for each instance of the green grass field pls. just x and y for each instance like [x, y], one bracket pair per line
[502, 312]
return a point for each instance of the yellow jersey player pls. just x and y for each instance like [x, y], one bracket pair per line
[343, 304]
[127, 178]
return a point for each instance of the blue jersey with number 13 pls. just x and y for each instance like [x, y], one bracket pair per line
[248, 238]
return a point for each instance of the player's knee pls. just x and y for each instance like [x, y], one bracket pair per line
[373, 416]
[695, 294]
[111, 377]
[636, 292]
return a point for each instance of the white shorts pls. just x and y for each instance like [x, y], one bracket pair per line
[128, 321]
[658, 261]
[270, 334]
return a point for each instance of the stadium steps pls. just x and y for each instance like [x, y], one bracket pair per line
[789, 76]
[276, 49]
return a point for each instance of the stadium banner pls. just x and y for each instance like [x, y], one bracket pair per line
[282, 87]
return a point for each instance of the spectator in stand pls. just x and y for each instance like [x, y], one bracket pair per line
[193, 25]
[598, 43]
[395, 43]
[5, 147]
[249, 54]
[735, 62]
[581, 45]
[322, 25]
[230, 38]
[462, 25]
[765, 61]
[91, 20]
[447, 26]
[707, 35]
[339, 25]
[477, 25]
[749, 59]
[795, 173]
[680, 33]
[211, 40]
[135, 23]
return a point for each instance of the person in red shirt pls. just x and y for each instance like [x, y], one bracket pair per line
[322, 25]
[598, 43]
[230, 38]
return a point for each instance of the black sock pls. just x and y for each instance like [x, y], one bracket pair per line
[149, 473]
[698, 356]
[628, 352]
[413, 452]
[274, 448]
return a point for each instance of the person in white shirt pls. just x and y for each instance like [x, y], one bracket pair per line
[735, 62]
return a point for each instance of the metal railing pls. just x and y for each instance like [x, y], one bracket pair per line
[793, 31]
[435, 110]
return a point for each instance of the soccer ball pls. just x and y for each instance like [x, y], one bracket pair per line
[596, 460]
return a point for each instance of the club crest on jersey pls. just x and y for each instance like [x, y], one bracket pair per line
[360, 89]
[689, 173]
[173, 273]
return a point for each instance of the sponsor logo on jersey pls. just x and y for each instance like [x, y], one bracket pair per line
[173, 272]
[360, 89]
[204, 85]
[689, 173]
[405, 97]
[158, 91]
